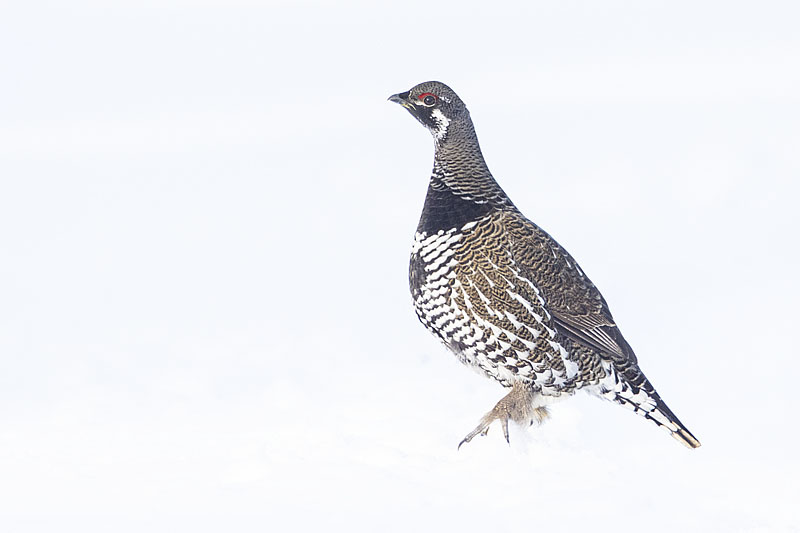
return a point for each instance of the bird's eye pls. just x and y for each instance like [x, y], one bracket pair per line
[427, 99]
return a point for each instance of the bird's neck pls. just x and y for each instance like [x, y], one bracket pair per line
[461, 188]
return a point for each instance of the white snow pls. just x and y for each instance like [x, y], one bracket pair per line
[205, 218]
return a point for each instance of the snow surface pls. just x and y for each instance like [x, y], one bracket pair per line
[206, 210]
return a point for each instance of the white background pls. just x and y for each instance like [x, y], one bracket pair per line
[206, 210]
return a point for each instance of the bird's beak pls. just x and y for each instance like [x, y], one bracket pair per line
[402, 99]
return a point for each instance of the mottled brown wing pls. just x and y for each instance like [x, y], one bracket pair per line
[577, 307]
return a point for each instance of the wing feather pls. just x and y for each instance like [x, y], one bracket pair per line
[578, 308]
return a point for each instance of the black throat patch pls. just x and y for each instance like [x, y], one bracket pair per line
[444, 209]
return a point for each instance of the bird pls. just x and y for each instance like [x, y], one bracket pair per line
[504, 296]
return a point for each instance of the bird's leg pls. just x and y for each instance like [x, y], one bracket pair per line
[516, 405]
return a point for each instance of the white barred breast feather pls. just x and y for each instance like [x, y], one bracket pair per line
[508, 339]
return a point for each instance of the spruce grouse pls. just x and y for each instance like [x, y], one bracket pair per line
[502, 294]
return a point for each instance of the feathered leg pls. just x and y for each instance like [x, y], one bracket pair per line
[517, 405]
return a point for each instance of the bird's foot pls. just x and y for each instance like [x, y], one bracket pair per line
[486, 421]
[517, 405]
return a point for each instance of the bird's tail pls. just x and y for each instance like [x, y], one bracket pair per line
[629, 387]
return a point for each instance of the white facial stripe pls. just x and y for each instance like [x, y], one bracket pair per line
[442, 122]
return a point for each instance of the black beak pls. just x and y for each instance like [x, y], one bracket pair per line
[400, 98]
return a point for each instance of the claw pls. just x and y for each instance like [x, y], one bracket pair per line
[516, 405]
[480, 430]
[486, 421]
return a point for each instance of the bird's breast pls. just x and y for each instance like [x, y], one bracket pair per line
[468, 292]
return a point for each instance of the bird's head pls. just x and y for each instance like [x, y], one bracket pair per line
[435, 105]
